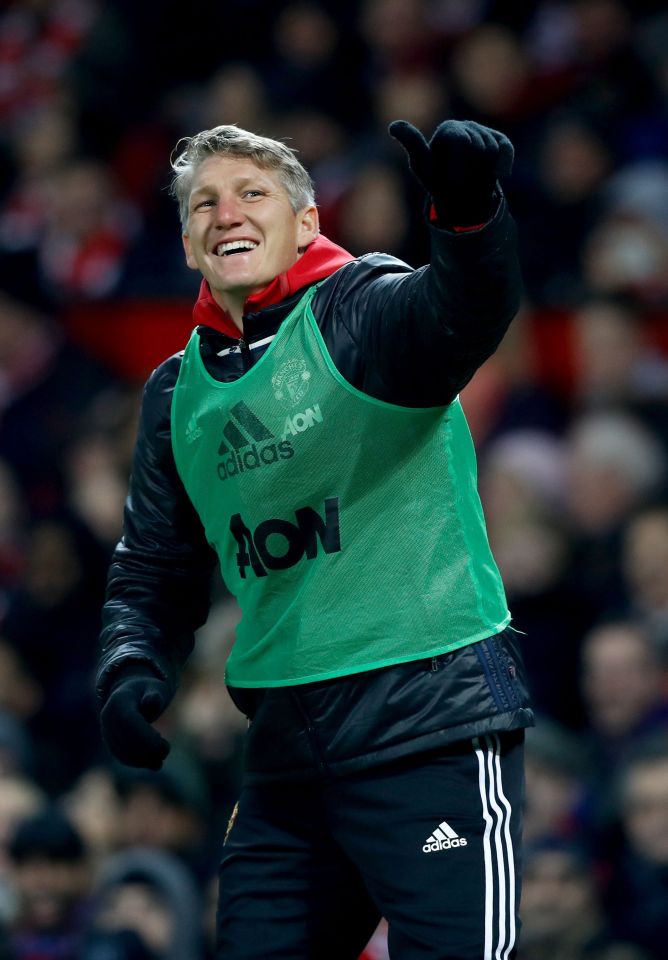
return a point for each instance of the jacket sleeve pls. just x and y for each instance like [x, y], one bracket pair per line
[158, 590]
[416, 337]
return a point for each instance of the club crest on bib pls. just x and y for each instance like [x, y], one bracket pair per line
[291, 382]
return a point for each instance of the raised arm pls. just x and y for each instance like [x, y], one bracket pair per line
[415, 337]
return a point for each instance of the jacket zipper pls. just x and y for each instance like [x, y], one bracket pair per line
[310, 733]
[501, 670]
[246, 358]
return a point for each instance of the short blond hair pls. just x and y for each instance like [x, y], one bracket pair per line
[231, 141]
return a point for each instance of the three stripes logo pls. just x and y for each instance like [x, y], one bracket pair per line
[500, 928]
[443, 838]
[243, 418]
[193, 430]
[248, 444]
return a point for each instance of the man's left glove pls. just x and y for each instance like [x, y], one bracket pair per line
[458, 168]
[135, 701]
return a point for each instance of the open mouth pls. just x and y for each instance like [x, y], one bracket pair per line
[230, 247]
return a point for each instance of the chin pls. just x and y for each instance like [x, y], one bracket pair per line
[234, 284]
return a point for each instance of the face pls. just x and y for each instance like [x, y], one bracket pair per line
[148, 818]
[137, 906]
[49, 891]
[645, 560]
[241, 231]
[621, 679]
[646, 810]
[557, 895]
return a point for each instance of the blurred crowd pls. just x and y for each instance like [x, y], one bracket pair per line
[570, 418]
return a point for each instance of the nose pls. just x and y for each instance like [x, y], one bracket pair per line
[229, 212]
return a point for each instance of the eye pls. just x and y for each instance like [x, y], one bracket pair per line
[210, 202]
[253, 193]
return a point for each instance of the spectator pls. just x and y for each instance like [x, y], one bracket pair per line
[51, 618]
[372, 214]
[563, 915]
[398, 35]
[16, 748]
[563, 205]
[624, 684]
[627, 255]
[12, 524]
[51, 878]
[639, 891]
[97, 463]
[40, 41]
[509, 393]
[93, 807]
[645, 566]
[615, 465]
[555, 776]
[149, 893]
[616, 365]
[19, 798]
[491, 75]
[20, 699]
[626, 696]
[168, 810]
[47, 384]
[212, 727]
[236, 94]
[313, 68]
[44, 140]
[86, 232]
[523, 483]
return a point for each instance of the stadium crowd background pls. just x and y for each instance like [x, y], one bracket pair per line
[570, 418]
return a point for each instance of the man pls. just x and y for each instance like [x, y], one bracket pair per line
[639, 875]
[310, 437]
[49, 871]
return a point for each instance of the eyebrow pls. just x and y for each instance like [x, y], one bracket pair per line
[238, 182]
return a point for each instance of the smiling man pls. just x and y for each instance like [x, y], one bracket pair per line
[241, 230]
[310, 441]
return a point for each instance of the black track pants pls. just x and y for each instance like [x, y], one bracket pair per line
[431, 843]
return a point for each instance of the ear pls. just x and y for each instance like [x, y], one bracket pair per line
[308, 226]
[190, 260]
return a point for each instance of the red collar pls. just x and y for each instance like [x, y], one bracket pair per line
[320, 260]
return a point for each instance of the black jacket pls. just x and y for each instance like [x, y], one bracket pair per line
[408, 337]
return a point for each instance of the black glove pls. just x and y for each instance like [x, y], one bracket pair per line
[459, 167]
[134, 702]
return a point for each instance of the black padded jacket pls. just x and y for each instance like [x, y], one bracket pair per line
[405, 336]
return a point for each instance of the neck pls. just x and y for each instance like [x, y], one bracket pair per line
[233, 307]
[234, 303]
[214, 309]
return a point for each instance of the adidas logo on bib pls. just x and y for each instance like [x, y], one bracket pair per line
[248, 443]
[443, 838]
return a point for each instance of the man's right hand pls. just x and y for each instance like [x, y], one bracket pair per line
[134, 702]
[458, 168]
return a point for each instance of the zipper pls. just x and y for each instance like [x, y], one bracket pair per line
[310, 733]
[442, 660]
[481, 652]
[502, 671]
[246, 356]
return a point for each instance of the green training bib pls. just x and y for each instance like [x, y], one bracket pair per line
[350, 530]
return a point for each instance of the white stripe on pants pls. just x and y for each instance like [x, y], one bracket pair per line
[498, 854]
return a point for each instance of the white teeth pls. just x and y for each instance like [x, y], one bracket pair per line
[224, 248]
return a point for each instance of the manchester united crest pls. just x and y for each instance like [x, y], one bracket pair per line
[291, 382]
